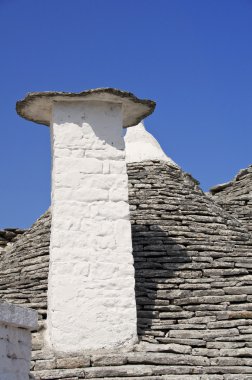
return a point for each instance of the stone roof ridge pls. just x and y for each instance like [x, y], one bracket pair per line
[141, 145]
[242, 172]
[236, 196]
[217, 188]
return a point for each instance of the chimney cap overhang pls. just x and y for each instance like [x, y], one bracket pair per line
[37, 106]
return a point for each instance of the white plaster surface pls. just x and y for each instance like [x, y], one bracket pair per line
[91, 297]
[15, 342]
[142, 146]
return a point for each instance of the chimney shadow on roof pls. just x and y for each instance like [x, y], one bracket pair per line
[158, 260]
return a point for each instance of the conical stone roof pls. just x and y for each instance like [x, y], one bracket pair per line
[24, 267]
[193, 270]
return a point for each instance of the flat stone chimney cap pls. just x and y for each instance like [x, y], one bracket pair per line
[37, 106]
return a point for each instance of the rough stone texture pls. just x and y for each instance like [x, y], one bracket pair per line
[8, 237]
[188, 253]
[24, 268]
[193, 287]
[37, 106]
[236, 196]
[18, 316]
[15, 341]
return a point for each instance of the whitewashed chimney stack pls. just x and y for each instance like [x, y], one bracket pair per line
[91, 297]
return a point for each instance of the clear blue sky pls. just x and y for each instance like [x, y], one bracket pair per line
[193, 57]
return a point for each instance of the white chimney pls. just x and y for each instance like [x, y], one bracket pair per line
[142, 146]
[91, 297]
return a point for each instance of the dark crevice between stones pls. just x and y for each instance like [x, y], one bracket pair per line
[157, 257]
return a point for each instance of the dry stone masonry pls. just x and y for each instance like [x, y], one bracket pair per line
[8, 236]
[193, 278]
[192, 264]
[236, 196]
[24, 268]
[192, 256]
[16, 324]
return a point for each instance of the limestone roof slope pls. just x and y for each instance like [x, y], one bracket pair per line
[193, 271]
[236, 196]
[24, 267]
[8, 236]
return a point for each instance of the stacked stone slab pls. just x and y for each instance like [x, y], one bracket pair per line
[16, 324]
[24, 268]
[236, 196]
[193, 264]
[8, 236]
[192, 261]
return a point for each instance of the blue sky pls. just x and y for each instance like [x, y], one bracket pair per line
[193, 57]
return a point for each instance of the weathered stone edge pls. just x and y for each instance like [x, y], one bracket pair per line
[18, 316]
[21, 104]
[218, 188]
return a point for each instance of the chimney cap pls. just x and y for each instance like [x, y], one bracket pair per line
[37, 106]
